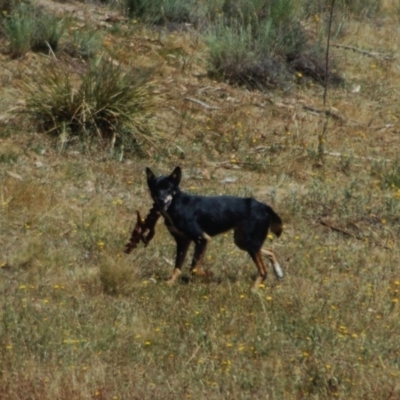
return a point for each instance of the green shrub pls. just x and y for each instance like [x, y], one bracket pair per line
[239, 57]
[28, 28]
[261, 43]
[18, 28]
[250, 42]
[107, 102]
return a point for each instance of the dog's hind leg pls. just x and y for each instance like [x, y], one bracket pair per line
[274, 262]
[242, 241]
[182, 246]
[262, 271]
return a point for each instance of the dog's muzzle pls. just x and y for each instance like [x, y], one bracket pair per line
[164, 203]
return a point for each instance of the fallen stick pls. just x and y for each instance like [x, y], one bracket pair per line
[349, 234]
[328, 113]
[340, 230]
[373, 54]
[201, 103]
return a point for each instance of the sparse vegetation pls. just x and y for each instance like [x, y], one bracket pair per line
[86, 44]
[81, 320]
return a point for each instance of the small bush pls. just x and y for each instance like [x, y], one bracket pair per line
[28, 28]
[250, 42]
[18, 28]
[239, 57]
[107, 102]
[262, 44]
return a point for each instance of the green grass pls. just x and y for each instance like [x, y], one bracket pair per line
[79, 319]
[86, 44]
[78, 310]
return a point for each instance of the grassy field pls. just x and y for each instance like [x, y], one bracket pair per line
[79, 319]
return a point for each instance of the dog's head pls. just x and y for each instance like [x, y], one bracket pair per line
[164, 188]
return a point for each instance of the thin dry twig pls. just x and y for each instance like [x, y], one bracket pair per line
[326, 153]
[193, 355]
[337, 154]
[337, 229]
[328, 113]
[329, 225]
[51, 50]
[373, 54]
[201, 103]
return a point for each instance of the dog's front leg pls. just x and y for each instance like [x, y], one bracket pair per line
[198, 256]
[182, 246]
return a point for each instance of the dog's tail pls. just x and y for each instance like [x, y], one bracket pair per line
[276, 225]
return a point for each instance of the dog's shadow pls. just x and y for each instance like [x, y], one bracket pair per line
[190, 279]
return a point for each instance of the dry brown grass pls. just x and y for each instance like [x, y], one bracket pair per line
[80, 320]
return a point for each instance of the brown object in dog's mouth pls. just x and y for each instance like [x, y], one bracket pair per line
[144, 229]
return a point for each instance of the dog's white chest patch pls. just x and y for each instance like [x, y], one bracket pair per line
[167, 202]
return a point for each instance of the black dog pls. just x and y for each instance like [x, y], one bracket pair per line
[197, 218]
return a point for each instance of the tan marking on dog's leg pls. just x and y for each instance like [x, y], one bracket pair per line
[198, 256]
[182, 246]
[174, 276]
[262, 272]
[274, 262]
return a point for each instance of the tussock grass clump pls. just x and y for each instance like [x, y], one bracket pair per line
[18, 28]
[48, 30]
[105, 102]
[29, 28]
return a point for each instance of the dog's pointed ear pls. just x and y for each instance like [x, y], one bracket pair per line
[149, 174]
[176, 175]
